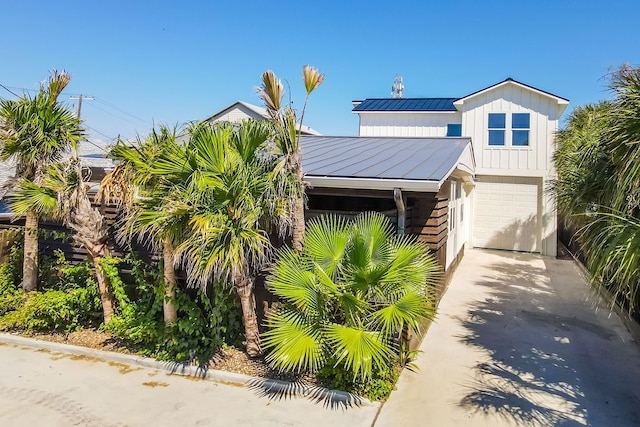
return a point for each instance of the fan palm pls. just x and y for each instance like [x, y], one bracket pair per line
[231, 212]
[37, 132]
[147, 184]
[287, 141]
[347, 296]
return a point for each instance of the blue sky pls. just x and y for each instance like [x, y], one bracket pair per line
[170, 62]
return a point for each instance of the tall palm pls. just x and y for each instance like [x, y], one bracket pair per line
[62, 193]
[287, 141]
[347, 295]
[231, 212]
[146, 189]
[37, 131]
[598, 163]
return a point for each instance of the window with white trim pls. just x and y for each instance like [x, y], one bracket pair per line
[497, 126]
[518, 123]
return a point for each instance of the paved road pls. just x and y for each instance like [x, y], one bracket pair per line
[521, 340]
[49, 388]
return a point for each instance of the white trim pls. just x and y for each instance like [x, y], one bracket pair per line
[425, 186]
[561, 101]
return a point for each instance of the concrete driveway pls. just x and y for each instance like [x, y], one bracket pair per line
[520, 340]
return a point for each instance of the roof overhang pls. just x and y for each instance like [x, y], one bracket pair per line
[373, 183]
[561, 101]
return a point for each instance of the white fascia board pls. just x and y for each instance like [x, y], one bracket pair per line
[559, 100]
[425, 186]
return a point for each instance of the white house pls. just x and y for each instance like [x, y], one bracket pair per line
[512, 128]
[240, 110]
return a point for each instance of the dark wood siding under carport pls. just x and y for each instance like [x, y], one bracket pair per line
[427, 213]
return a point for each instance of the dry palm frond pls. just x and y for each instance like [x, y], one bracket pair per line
[57, 82]
[271, 92]
[118, 187]
[312, 78]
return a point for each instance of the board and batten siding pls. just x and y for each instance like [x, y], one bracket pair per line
[533, 160]
[423, 124]
[237, 115]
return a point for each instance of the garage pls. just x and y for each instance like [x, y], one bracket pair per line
[506, 213]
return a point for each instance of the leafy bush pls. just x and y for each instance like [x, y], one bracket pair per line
[62, 311]
[204, 322]
[69, 299]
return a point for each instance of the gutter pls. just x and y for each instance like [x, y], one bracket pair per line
[397, 197]
[419, 185]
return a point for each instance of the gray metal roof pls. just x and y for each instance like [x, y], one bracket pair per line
[424, 159]
[406, 104]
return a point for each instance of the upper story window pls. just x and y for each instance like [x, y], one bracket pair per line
[497, 125]
[454, 129]
[520, 129]
[519, 124]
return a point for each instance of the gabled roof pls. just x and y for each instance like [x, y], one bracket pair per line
[439, 104]
[414, 164]
[406, 104]
[509, 80]
[252, 111]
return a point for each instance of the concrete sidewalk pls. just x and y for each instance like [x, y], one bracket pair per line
[520, 340]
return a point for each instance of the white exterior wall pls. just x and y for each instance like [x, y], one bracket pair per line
[236, 115]
[407, 124]
[533, 160]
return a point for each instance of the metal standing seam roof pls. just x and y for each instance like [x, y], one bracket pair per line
[407, 104]
[424, 159]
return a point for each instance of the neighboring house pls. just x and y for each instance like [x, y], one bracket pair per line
[239, 111]
[495, 199]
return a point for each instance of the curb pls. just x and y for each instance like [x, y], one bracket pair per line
[265, 386]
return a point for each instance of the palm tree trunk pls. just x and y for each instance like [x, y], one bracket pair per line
[298, 224]
[249, 318]
[30, 260]
[106, 297]
[169, 308]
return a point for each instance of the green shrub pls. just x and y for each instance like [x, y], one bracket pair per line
[57, 310]
[205, 322]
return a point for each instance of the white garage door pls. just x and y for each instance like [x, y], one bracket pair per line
[506, 213]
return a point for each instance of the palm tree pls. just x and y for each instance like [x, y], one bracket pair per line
[231, 212]
[598, 163]
[287, 141]
[62, 193]
[37, 132]
[347, 295]
[145, 188]
[207, 197]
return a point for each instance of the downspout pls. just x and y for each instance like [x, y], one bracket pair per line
[397, 197]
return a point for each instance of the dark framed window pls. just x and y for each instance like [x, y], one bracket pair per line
[520, 120]
[454, 129]
[520, 132]
[497, 125]
[520, 138]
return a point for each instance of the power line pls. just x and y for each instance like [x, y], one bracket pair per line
[8, 90]
[115, 115]
[102, 101]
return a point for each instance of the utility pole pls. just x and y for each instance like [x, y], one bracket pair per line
[80, 98]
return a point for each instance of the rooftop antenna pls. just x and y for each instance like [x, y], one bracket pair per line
[397, 87]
